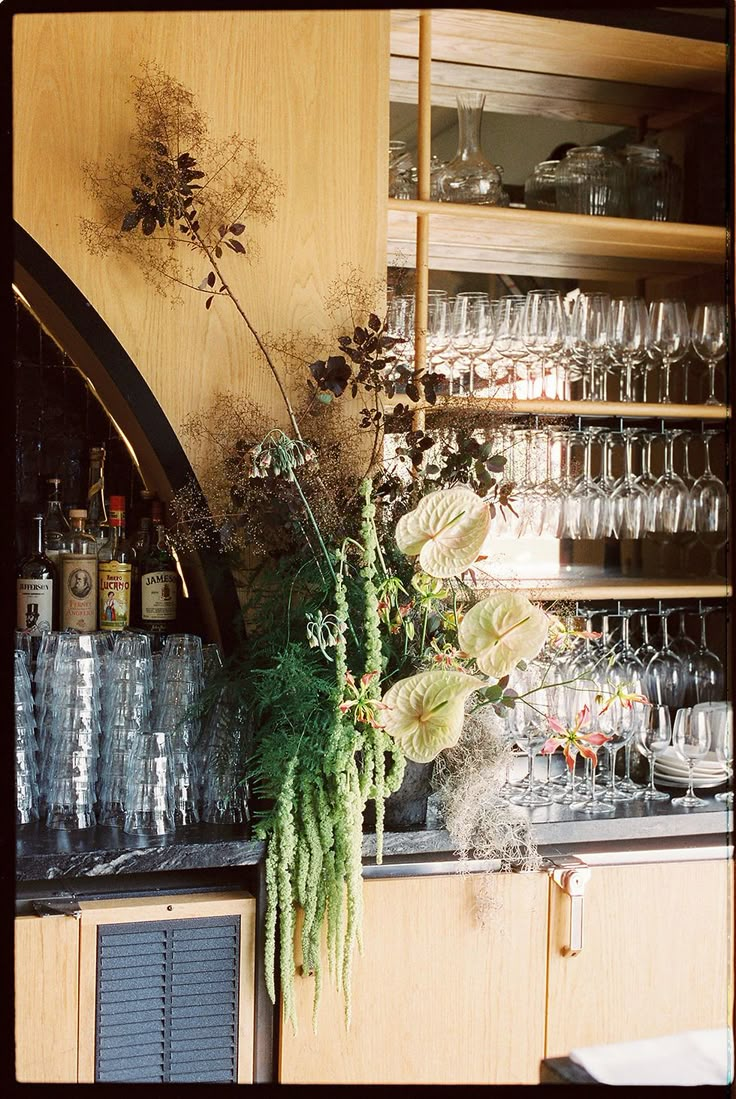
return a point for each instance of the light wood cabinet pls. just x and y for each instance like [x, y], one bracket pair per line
[46, 999]
[438, 998]
[144, 989]
[657, 956]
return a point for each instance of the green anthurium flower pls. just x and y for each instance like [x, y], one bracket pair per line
[446, 531]
[425, 713]
[501, 630]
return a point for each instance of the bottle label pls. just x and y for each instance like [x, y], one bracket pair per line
[79, 592]
[158, 596]
[114, 589]
[35, 605]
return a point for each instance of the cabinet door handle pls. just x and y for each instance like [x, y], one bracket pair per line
[573, 882]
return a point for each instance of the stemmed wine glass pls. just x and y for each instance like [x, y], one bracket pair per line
[704, 667]
[691, 736]
[628, 501]
[590, 327]
[508, 342]
[669, 340]
[669, 493]
[530, 731]
[708, 337]
[666, 676]
[709, 498]
[628, 341]
[586, 503]
[722, 744]
[543, 331]
[653, 737]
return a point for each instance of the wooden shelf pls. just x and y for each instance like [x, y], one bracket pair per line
[627, 411]
[558, 68]
[545, 243]
[623, 588]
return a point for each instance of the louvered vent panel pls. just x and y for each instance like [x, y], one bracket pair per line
[167, 1001]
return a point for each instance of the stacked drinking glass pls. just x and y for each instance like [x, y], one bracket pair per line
[72, 745]
[126, 715]
[26, 772]
[177, 693]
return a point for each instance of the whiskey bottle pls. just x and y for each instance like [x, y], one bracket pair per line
[98, 524]
[159, 586]
[114, 571]
[55, 526]
[79, 577]
[36, 580]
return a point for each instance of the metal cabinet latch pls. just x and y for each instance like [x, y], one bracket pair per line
[572, 875]
[58, 907]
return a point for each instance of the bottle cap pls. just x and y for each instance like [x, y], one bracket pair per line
[117, 503]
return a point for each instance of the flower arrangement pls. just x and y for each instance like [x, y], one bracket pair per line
[364, 642]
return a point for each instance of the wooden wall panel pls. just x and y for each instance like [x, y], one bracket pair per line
[46, 999]
[310, 87]
[438, 998]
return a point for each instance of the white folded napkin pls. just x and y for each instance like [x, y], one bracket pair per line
[693, 1058]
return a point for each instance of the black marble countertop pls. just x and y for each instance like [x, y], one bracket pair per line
[43, 854]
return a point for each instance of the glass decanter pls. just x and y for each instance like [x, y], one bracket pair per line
[470, 176]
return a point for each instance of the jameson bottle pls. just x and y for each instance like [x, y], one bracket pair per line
[114, 571]
[140, 545]
[159, 584]
[97, 521]
[36, 580]
[79, 577]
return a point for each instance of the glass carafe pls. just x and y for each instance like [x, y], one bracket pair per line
[470, 176]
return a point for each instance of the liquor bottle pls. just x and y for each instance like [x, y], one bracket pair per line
[114, 571]
[98, 524]
[79, 577]
[159, 585]
[55, 526]
[36, 581]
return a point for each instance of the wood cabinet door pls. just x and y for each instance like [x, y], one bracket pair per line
[166, 989]
[46, 999]
[438, 998]
[657, 955]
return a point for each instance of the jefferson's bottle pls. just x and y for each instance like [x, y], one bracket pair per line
[36, 580]
[79, 577]
[159, 586]
[114, 570]
[97, 521]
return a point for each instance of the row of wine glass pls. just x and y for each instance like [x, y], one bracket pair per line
[584, 345]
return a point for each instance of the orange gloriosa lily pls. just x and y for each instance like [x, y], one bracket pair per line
[573, 740]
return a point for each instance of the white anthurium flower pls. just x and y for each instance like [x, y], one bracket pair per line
[425, 713]
[501, 630]
[446, 530]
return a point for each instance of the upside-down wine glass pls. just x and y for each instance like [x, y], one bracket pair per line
[704, 667]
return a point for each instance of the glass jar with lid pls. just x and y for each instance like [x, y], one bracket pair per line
[653, 184]
[539, 187]
[590, 180]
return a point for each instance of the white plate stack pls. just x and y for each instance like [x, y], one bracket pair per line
[671, 770]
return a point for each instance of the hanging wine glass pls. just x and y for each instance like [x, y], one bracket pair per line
[666, 675]
[470, 176]
[710, 506]
[628, 499]
[709, 338]
[669, 493]
[706, 675]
